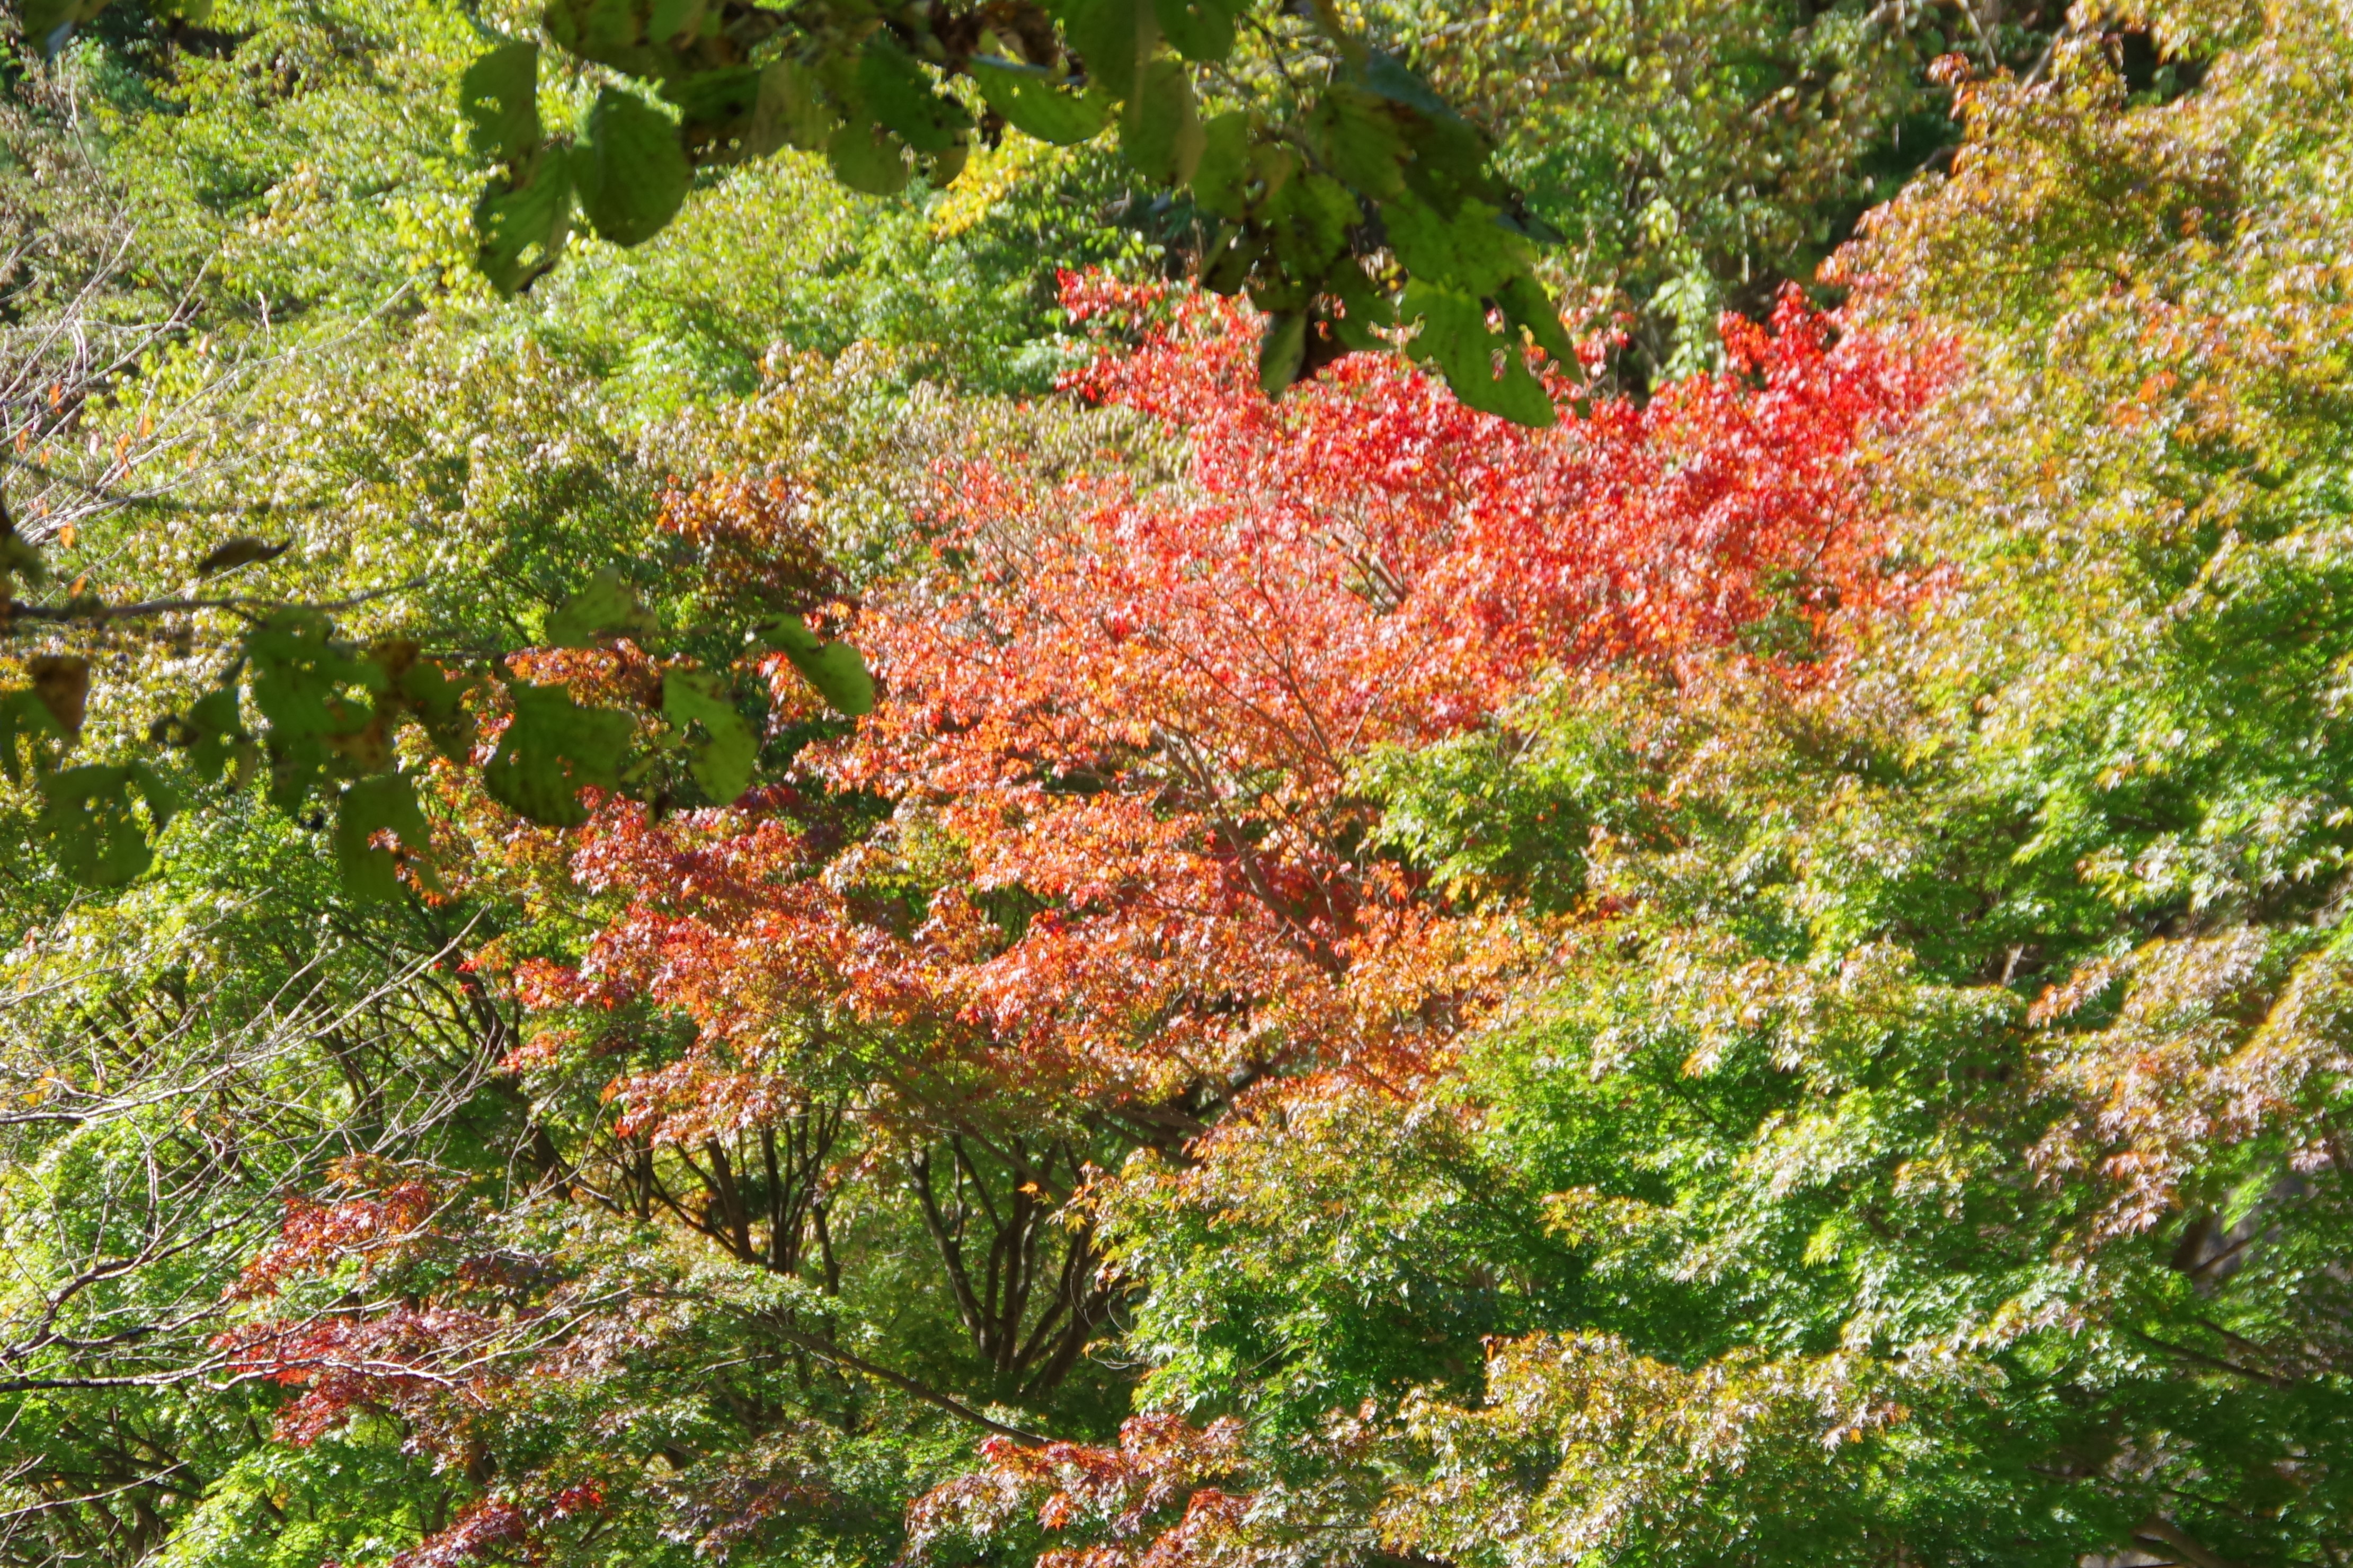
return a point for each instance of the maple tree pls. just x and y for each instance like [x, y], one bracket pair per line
[1091, 903]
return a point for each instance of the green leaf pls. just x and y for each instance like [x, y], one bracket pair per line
[26, 721]
[1310, 218]
[834, 668]
[215, 734]
[553, 750]
[1221, 179]
[1199, 29]
[302, 682]
[1469, 253]
[89, 826]
[1362, 308]
[1035, 107]
[1526, 303]
[606, 605]
[438, 700]
[610, 32]
[1160, 134]
[899, 94]
[791, 109]
[498, 95]
[1281, 350]
[380, 803]
[865, 157]
[1455, 334]
[631, 172]
[1115, 39]
[526, 212]
[1362, 141]
[722, 763]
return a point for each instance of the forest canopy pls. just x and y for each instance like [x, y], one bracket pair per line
[1068, 784]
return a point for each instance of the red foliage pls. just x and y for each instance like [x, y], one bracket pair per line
[1131, 719]
[392, 1220]
[1121, 1496]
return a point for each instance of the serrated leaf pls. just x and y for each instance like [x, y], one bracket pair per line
[630, 172]
[527, 213]
[899, 94]
[498, 95]
[1160, 134]
[552, 749]
[380, 803]
[26, 722]
[242, 550]
[833, 668]
[722, 763]
[89, 826]
[1035, 107]
[1309, 220]
[1455, 336]
[1469, 253]
[865, 157]
[1197, 29]
[607, 606]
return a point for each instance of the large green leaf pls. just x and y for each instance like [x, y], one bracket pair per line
[553, 750]
[302, 677]
[380, 803]
[630, 171]
[1470, 252]
[522, 220]
[50, 23]
[1455, 334]
[1309, 218]
[1362, 139]
[214, 732]
[606, 605]
[1115, 39]
[28, 724]
[1199, 29]
[1160, 134]
[899, 94]
[1036, 106]
[834, 668]
[722, 762]
[498, 95]
[865, 157]
[1222, 178]
[88, 825]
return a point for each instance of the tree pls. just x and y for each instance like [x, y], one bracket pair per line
[1926, 1147]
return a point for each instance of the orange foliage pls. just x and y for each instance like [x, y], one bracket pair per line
[1122, 726]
